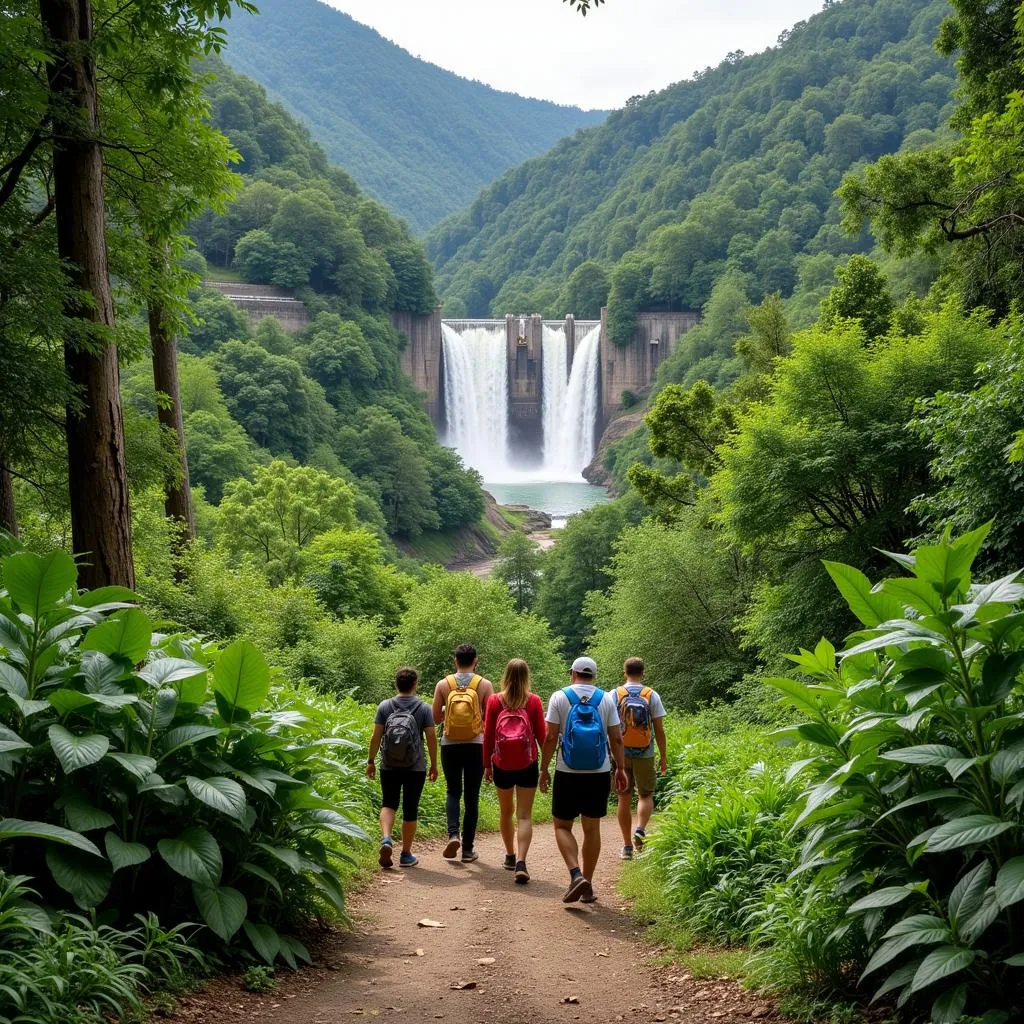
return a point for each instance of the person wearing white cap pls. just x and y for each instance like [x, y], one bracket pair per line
[583, 725]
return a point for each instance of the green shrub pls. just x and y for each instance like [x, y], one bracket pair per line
[914, 812]
[146, 773]
[259, 978]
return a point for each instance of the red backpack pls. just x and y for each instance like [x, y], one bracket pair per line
[514, 744]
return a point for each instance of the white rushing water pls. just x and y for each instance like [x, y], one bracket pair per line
[476, 396]
[570, 421]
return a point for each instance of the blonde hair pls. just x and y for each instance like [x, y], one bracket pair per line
[515, 683]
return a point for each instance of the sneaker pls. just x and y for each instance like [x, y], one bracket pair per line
[408, 860]
[627, 853]
[451, 849]
[522, 875]
[579, 887]
[591, 897]
[468, 856]
[386, 854]
[639, 838]
[510, 862]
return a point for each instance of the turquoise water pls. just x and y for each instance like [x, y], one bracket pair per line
[559, 500]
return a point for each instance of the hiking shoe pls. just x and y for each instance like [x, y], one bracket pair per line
[627, 853]
[590, 898]
[522, 875]
[468, 856]
[639, 838]
[578, 888]
[386, 854]
[451, 849]
[510, 862]
[408, 860]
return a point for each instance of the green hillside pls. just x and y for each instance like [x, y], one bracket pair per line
[419, 138]
[734, 169]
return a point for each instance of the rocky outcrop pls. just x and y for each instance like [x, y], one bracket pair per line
[623, 424]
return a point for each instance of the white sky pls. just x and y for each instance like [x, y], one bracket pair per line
[543, 48]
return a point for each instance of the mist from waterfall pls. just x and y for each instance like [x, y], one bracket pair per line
[476, 397]
[570, 419]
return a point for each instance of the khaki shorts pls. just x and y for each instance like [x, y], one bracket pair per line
[641, 774]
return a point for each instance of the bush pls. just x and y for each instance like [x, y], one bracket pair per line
[914, 812]
[147, 768]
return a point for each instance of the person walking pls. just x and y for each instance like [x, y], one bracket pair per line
[642, 715]
[459, 701]
[513, 729]
[583, 725]
[399, 729]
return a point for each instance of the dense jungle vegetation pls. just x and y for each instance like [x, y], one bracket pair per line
[419, 138]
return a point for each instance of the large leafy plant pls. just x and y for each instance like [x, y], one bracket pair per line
[141, 772]
[916, 811]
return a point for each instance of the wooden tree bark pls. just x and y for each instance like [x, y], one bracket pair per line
[8, 514]
[178, 495]
[97, 475]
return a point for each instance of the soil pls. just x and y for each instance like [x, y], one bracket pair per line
[507, 954]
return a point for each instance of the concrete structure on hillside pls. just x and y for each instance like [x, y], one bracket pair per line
[261, 300]
[421, 358]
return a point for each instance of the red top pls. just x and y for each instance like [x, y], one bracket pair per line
[534, 708]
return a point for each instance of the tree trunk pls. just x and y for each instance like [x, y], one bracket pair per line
[177, 494]
[98, 478]
[8, 517]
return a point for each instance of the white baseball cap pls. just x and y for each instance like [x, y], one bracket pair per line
[585, 667]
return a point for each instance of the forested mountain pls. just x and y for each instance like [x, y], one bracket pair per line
[419, 138]
[734, 169]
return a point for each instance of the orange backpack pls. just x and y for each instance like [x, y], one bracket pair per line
[635, 715]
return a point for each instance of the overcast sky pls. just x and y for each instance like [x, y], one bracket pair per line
[543, 48]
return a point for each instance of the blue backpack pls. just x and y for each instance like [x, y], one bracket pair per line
[584, 739]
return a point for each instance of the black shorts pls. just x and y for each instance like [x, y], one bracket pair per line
[402, 783]
[525, 778]
[580, 793]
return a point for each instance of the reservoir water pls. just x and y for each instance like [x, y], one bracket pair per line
[559, 499]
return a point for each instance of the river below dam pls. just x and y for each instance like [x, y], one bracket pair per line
[559, 499]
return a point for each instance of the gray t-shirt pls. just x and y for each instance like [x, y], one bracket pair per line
[424, 719]
[462, 680]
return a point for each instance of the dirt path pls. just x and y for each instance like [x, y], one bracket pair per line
[543, 953]
[544, 539]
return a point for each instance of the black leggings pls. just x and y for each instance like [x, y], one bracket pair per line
[463, 765]
[404, 783]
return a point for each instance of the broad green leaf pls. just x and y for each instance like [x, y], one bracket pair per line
[185, 735]
[1006, 764]
[917, 922]
[1010, 883]
[28, 708]
[941, 963]
[194, 854]
[998, 675]
[83, 817]
[892, 948]
[900, 977]
[285, 854]
[1017, 960]
[66, 700]
[956, 766]
[106, 596]
[981, 920]
[261, 873]
[10, 741]
[967, 894]
[222, 908]
[289, 944]
[37, 583]
[127, 634]
[337, 823]
[122, 854]
[76, 752]
[914, 593]
[264, 939]
[102, 674]
[798, 694]
[139, 765]
[927, 753]
[17, 828]
[966, 831]
[220, 793]
[87, 878]
[887, 897]
[12, 680]
[175, 672]
[241, 675]
[949, 1007]
[870, 607]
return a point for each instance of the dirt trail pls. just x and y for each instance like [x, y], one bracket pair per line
[544, 539]
[544, 952]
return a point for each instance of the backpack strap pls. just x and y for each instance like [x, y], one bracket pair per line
[646, 694]
[622, 693]
[474, 682]
[574, 697]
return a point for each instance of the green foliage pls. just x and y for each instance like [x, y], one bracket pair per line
[913, 809]
[449, 609]
[259, 979]
[862, 294]
[150, 773]
[518, 567]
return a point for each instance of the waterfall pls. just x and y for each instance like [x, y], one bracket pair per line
[570, 420]
[476, 396]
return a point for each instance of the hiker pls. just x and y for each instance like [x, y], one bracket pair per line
[583, 724]
[642, 715]
[459, 701]
[513, 729]
[398, 730]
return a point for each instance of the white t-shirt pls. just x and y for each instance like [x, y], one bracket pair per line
[558, 714]
[657, 711]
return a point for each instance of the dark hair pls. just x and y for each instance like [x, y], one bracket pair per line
[465, 655]
[406, 679]
[634, 666]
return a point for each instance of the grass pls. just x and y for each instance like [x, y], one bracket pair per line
[214, 273]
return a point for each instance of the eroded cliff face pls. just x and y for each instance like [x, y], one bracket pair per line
[623, 424]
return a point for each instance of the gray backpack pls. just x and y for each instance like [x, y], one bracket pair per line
[402, 744]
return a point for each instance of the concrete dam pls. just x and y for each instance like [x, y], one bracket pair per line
[524, 394]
